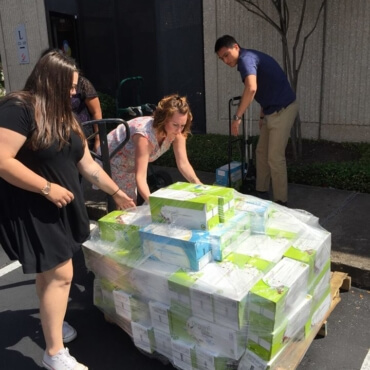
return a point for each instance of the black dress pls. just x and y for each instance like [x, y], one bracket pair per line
[32, 229]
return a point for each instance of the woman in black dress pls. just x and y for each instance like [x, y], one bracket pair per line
[43, 218]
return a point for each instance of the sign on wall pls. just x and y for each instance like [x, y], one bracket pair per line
[21, 39]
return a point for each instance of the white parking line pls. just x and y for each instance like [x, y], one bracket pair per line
[366, 363]
[12, 266]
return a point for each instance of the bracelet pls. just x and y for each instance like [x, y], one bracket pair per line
[115, 192]
[262, 117]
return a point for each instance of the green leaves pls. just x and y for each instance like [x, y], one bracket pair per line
[210, 151]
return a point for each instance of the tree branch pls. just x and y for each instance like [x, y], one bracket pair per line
[248, 4]
[309, 34]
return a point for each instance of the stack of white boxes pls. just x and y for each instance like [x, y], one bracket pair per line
[210, 278]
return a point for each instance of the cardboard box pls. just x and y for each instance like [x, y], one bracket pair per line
[225, 196]
[257, 208]
[244, 261]
[226, 237]
[318, 315]
[209, 360]
[159, 315]
[189, 249]
[312, 247]
[184, 209]
[203, 289]
[268, 344]
[183, 354]
[230, 296]
[274, 296]
[108, 261]
[143, 336]
[264, 247]
[163, 343]
[282, 224]
[122, 227]
[211, 336]
[235, 170]
[130, 307]
[184, 286]
[150, 280]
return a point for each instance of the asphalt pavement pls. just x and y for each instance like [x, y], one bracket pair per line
[102, 345]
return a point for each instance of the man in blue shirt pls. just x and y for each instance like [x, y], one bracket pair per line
[265, 81]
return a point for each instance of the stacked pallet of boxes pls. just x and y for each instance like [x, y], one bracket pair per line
[210, 278]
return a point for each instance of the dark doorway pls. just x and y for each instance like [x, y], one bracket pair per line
[64, 34]
[159, 40]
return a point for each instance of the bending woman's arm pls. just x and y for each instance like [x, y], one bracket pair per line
[93, 173]
[142, 153]
[182, 161]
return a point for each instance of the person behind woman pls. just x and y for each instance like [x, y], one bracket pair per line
[86, 107]
[43, 218]
[150, 137]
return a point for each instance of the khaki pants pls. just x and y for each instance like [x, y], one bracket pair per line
[270, 152]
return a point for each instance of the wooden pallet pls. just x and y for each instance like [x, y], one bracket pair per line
[295, 351]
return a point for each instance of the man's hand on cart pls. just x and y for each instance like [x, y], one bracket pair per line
[235, 127]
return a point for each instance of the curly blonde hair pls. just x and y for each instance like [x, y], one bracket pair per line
[167, 107]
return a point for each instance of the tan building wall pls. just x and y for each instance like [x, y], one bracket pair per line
[30, 13]
[341, 80]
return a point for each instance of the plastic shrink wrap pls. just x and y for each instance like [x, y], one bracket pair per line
[209, 278]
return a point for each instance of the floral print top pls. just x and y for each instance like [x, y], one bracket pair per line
[123, 163]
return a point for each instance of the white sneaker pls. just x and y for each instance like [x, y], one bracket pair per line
[62, 361]
[69, 333]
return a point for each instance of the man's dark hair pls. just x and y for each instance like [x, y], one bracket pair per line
[225, 41]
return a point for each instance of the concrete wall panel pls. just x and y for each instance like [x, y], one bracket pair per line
[334, 80]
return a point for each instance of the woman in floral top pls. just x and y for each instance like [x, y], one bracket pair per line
[150, 137]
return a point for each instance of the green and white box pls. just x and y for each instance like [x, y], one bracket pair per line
[275, 295]
[264, 247]
[108, 261]
[319, 314]
[189, 249]
[201, 292]
[150, 280]
[122, 227]
[226, 207]
[183, 354]
[217, 338]
[143, 336]
[159, 314]
[268, 344]
[130, 307]
[321, 285]
[312, 247]
[243, 261]
[283, 224]
[257, 208]
[179, 284]
[103, 295]
[186, 286]
[163, 343]
[209, 360]
[230, 297]
[228, 236]
[184, 208]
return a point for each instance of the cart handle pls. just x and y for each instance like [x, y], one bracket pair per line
[105, 156]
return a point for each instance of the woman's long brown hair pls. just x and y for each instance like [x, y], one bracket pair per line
[47, 94]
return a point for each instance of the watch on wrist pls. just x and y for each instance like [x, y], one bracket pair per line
[236, 118]
[46, 189]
